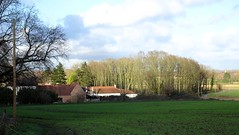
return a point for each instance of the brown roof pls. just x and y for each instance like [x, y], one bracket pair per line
[59, 89]
[109, 89]
[104, 89]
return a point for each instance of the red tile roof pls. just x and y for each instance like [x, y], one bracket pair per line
[109, 89]
[104, 89]
[59, 89]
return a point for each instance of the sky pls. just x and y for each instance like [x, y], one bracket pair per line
[204, 30]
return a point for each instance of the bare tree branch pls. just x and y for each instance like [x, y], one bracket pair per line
[37, 44]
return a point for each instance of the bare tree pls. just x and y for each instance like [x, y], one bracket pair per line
[152, 73]
[37, 44]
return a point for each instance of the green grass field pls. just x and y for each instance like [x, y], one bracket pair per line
[159, 117]
[226, 94]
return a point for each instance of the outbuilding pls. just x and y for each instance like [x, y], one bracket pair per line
[67, 93]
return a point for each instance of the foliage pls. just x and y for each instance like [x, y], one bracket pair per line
[37, 44]
[46, 76]
[227, 77]
[84, 75]
[6, 96]
[212, 82]
[46, 96]
[153, 73]
[72, 78]
[167, 117]
[58, 75]
[35, 96]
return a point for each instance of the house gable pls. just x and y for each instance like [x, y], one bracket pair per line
[77, 94]
[77, 90]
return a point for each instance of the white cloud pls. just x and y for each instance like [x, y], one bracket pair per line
[130, 12]
[111, 31]
[225, 39]
[198, 2]
[69, 63]
[219, 49]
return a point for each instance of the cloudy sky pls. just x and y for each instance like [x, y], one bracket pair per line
[204, 30]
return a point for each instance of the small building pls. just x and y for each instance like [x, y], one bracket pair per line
[67, 93]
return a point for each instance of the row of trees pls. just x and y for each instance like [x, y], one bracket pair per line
[152, 73]
[37, 44]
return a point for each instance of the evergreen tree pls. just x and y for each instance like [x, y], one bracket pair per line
[84, 75]
[58, 75]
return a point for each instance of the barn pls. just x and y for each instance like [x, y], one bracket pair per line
[66, 93]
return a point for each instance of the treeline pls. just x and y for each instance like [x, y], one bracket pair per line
[152, 73]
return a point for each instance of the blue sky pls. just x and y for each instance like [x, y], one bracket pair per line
[204, 30]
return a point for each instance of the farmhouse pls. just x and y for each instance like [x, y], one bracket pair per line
[106, 91]
[67, 93]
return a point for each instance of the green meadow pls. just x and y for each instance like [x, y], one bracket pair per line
[146, 118]
[231, 94]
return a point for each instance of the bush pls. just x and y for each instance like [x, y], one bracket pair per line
[6, 96]
[183, 96]
[46, 96]
[35, 96]
[27, 96]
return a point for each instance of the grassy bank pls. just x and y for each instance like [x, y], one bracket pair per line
[162, 117]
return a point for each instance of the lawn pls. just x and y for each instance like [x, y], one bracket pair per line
[226, 94]
[133, 118]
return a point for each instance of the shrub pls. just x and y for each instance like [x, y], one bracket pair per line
[6, 96]
[35, 96]
[46, 96]
[27, 96]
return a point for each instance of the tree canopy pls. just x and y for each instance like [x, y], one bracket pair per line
[152, 73]
[226, 77]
